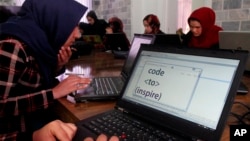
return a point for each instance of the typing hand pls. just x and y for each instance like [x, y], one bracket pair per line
[55, 130]
[102, 137]
[69, 85]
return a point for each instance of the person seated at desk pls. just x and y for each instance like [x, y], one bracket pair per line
[58, 130]
[96, 26]
[34, 48]
[203, 31]
[81, 47]
[152, 24]
[115, 25]
[84, 28]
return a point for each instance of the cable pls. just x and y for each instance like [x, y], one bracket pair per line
[242, 105]
[241, 119]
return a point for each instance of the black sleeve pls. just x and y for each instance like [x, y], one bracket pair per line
[24, 136]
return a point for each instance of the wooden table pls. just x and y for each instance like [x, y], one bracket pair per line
[238, 109]
[104, 64]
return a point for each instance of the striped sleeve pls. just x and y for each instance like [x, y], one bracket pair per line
[18, 82]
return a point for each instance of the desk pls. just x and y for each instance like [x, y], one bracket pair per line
[104, 64]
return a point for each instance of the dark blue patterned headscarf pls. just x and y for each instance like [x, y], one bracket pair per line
[44, 26]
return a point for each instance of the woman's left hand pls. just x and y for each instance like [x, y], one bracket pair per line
[63, 56]
[55, 130]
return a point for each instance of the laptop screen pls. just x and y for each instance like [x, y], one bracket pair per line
[93, 39]
[189, 87]
[116, 42]
[167, 39]
[135, 46]
[235, 40]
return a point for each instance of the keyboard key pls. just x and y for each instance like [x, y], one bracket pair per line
[126, 129]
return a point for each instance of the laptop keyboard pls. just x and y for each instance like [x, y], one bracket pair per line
[107, 85]
[116, 123]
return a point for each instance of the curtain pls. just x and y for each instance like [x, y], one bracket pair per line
[184, 11]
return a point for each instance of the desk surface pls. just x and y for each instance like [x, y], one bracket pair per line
[104, 64]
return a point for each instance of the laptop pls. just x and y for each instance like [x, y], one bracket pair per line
[117, 42]
[92, 39]
[105, 88]
[167, 39]
[236, 40]
[171, 94]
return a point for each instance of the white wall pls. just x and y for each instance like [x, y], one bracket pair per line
[165, 10]
[198, 3]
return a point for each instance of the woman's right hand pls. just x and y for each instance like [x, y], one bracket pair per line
[69, 85]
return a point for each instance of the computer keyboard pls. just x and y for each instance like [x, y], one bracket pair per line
[116, 123]
[107, 85]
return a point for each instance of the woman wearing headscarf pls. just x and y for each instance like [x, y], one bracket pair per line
[34, 47]
[115, 25]
[203, 31]
[152, 24]
[96, 26]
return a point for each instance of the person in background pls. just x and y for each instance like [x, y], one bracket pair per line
[97, 26]
[84, 28]
[34, 48]
[115, 25]
[58, 130]
[203, 31]
[81, 47]
[152, 24]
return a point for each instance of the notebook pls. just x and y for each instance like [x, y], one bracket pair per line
[236, 40]
[167, 39]
[172, 93]
[103, 88]
[117, 42]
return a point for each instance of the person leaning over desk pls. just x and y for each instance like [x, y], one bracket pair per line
[34, 47]
[203, 31]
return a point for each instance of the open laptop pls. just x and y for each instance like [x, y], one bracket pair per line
[171, 94]
[236, 40]
[92, 39]
[117, 42]
[167, 39]
[103, 88]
